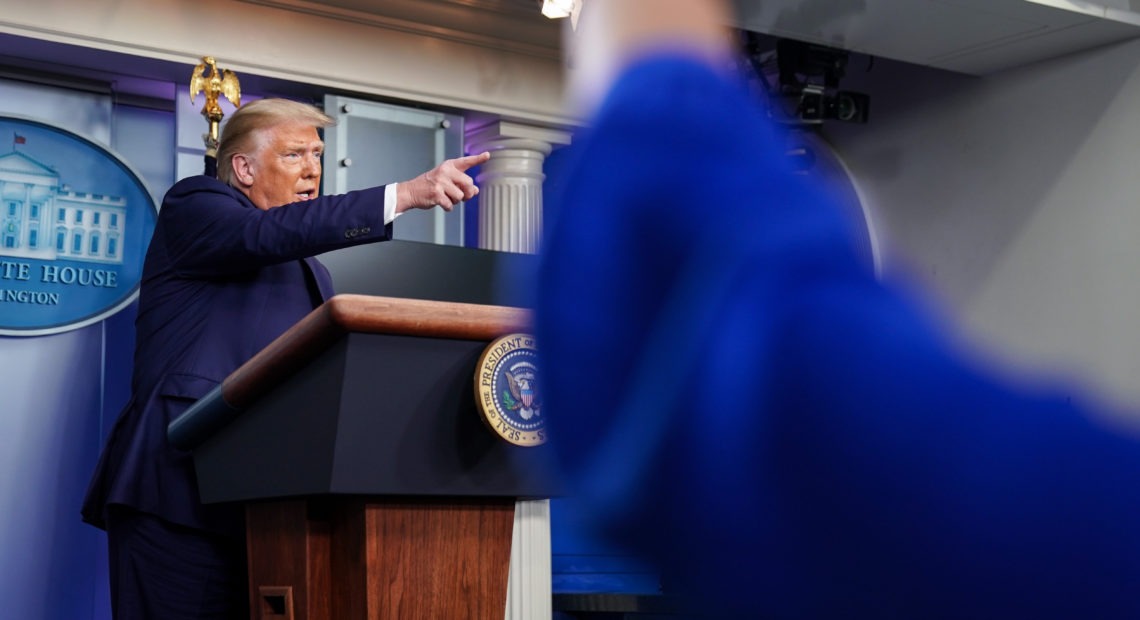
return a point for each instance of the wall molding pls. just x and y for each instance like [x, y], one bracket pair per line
[486, 24]
[396, 58]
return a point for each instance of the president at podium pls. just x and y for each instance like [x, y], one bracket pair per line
[230, 267]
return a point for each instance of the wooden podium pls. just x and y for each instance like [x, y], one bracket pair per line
[372, 488]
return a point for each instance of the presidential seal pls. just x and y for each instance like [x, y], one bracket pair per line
[506, 390]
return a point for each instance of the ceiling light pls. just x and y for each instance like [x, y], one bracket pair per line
[557, 9]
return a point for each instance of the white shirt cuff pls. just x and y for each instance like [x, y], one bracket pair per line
[390, 203]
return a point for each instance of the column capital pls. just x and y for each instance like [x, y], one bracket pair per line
[494, 145]
[495, 133]
[510, 183]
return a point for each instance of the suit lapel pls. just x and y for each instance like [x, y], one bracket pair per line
[320, 276]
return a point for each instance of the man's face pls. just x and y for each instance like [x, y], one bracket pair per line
[286, 167]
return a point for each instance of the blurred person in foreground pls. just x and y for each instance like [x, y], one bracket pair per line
[735, 397]
[230, 267]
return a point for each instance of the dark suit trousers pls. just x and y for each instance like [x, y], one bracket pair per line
[163, 571]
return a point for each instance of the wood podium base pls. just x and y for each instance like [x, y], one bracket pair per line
[368, 559]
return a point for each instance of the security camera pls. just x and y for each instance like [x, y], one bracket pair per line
[847, 106]
[816, 105]
[800, 81]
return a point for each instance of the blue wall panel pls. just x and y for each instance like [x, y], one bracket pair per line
[59, 394]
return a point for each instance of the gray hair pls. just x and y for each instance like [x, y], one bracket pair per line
[242, 132]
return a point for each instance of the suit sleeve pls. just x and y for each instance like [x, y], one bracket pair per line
[208, 230]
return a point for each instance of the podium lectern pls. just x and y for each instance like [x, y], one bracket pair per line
[372, 488]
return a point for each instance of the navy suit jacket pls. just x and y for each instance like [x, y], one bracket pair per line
[733, 394]
[221, 280]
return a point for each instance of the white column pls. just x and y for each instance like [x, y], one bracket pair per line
[510, 220]
[529, 592]
[510, 194]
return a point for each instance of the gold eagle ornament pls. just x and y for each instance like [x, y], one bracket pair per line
[208, 79]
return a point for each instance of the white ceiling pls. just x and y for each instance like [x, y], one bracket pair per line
[967, 36]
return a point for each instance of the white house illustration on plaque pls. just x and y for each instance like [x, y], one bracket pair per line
[41, 218]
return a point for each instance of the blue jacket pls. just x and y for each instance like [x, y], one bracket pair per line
[734, 395]
[221, 280]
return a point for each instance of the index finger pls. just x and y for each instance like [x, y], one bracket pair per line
[463, 163]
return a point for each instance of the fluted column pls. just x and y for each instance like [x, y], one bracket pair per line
[510, 194]
[510, 220]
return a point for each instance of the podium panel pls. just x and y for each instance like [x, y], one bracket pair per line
[372, 560]
[375, 414]
[372, 487]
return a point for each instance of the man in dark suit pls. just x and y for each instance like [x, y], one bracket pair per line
[229, 269]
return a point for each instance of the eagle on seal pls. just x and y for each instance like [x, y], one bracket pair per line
[524, 393]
